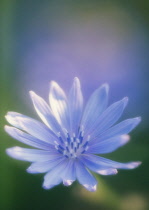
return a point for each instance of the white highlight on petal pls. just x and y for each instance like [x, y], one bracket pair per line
[68, 182]
[41, 107]
[14, 152]
[58, 104]
[90, 188]
[44, 112]
[108, 172]
[133, 165]
[125, 138]
[75, 102]
[12, 119]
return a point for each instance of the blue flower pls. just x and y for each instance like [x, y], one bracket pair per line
[68, 139]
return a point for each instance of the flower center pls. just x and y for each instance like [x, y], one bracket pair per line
[73, 146]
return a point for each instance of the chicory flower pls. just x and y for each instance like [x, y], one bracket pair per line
[70, 138]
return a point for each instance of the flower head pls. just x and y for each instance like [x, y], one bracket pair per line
[68, 138]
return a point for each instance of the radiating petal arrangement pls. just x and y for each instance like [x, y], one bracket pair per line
[68, 141]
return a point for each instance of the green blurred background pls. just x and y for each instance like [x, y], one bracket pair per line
[98, 41]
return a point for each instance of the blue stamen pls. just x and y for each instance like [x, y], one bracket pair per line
[83, 151]
[85, 144]
[72, 145]
[68, 138]
[81, 136]
[61, 147]
[60, 138]
[79, 129]
[67, 149]
[60, 151]
[74, 139]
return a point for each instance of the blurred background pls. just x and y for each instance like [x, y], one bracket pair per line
[98, 41]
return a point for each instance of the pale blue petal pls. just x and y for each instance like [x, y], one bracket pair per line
[100, 169]
[111, 164]
[54, 177]
[27, 139]
[42, 167]
[11, 117]
[108, 117]
[121, 128]
[75, 105]
[96, 105]
[37, 130]
[31, 126]
[108, 145]
[58, 104]
[69, 176]
[91, 164]
[44, 112]
[32, 155]
[85, 177]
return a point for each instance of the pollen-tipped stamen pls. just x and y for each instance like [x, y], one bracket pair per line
[73, 146]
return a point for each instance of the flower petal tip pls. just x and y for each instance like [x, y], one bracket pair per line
[125, 138]
[30, 170]
[6, 127]
[33, 170]
[6, 116]
[108, 172]
[138, 163]
[9, 151]
[133, 165]
[90, 188]
[53, 84]
[47, 187]
[76, 81]
[68, 182]
[10, 119]
[138, 119]
[32, 93]
[125, 100]
[13, 152]
[106, 86]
